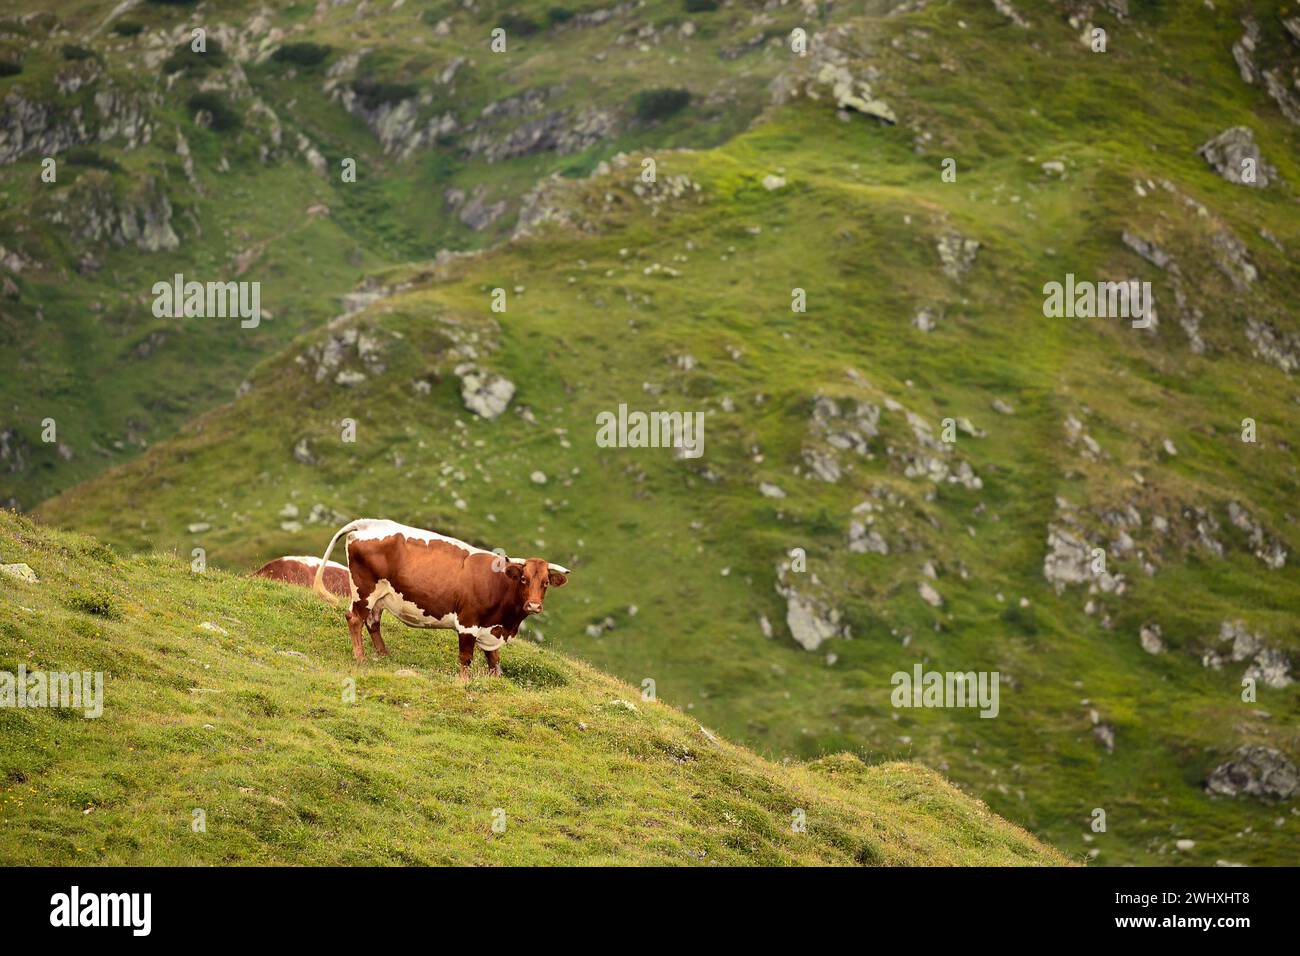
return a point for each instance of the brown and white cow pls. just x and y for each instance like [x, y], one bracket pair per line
[301, 570]
[426, 579]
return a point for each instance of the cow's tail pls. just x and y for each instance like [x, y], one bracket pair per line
[318, 583]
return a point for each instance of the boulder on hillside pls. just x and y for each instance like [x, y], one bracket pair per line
[1235, 156]
[1255, 771]
[484, 393]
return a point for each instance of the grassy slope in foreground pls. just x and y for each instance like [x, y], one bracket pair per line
[250, 726]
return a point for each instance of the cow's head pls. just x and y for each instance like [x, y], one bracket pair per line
[533, 577]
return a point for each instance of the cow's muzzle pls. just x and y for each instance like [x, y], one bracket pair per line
[533, 607]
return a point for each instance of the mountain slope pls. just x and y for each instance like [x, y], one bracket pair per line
[825, 431]
[248, 723]
[230, 165]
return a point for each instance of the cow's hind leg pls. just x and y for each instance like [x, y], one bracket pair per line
[357, 620]
[372, 625]
[493, 662]
[467, 643]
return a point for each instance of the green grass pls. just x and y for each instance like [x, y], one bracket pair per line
[253, 728]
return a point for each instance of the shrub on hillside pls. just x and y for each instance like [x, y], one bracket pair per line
[301, 54]
[10, 68]
[518, 25]
[660, 103]
[73, 52]
[700, 6]
[559, 14]
[127, 28]
[375, 93]
[85, 156]
[100, 605]
[223, 117]
[185, 59]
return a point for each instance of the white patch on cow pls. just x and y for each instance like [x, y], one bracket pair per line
[313, 561]
[385, 598]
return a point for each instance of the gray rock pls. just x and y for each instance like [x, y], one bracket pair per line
[1227, 151]
[957, 254]
[486, 394]
[810, 617]
[1243, 50]
[1255, 771]
[478, 213]
[831, 70]
[1269, 666]
[1005, 8]
[1274, 345]
[1105, 735]
[20, 572]
[1151, 639]
[96, 210]
[864, 540]
[1148, 250]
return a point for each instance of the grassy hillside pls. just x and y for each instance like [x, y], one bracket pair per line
[227, 165]
[248, 723]
[677, 296]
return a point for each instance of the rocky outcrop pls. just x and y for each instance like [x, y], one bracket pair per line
[1264, 546]
[1005, 8]
[1268, 665]
[20, 572]
[810, 614]
[29, 127]
[96, 209]
[476, 212]
[1232, 152]
[1151, 639]
[1274, 345]
[332, 357]
[1243, 50]
[835, 68]
[561, 131]
[836, 427]
[486, 394]
[1255, 771]
[957, 254]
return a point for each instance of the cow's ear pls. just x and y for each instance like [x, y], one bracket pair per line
[514, 572]
[557, 579]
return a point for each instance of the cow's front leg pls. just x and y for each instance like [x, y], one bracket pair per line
[493, 662]
[356, 621]
[466, 656]
[372, 625]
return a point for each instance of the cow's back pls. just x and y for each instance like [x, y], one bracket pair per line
[302, 571]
